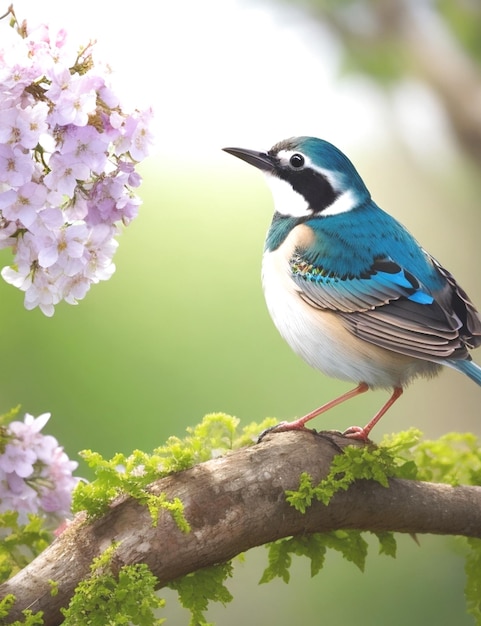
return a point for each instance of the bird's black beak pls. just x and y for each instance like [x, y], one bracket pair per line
[260, 160]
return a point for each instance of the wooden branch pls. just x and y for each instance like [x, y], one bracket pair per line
[234, 503]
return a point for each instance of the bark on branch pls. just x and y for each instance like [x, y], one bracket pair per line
[234, 503]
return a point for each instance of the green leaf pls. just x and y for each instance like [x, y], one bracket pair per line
[196, 590]
[6, 604]
[387, 543]
[279, 561]
[8, 417]
[350, 544]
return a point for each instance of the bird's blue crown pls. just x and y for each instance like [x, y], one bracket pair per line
[326, 156]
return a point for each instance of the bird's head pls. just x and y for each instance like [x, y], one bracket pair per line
[309, 177]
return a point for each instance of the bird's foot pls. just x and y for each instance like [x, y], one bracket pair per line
[357, 432]
[283, 427]
[299, 424]
[362, 434]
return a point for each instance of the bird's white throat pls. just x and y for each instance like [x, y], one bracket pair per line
[287, 201]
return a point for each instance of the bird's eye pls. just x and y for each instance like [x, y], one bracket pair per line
[297, 161]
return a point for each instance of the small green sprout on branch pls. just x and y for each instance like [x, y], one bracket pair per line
[371, 462]
[107, 597]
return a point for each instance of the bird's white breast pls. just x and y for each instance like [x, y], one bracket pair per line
[319, 336]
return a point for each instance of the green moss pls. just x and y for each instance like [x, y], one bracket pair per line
[31, 619]
[130, 475]
[377, 463]
[104, 598]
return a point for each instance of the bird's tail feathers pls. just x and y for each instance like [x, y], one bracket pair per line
[469, 368]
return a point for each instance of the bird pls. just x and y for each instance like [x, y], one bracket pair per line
[348, 287]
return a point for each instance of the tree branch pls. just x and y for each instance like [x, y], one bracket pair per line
[234, 503]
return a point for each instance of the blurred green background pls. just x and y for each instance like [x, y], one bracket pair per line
[182, 330]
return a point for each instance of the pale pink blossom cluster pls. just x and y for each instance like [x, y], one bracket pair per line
[67, 166]
[35, 472]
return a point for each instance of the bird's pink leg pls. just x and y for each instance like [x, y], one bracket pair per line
[299, 424]
[356, 432]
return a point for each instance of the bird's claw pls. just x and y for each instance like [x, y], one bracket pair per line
[280, 428]
[358, 433]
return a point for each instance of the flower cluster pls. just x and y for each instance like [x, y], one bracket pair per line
[67, 166]
[35, 473]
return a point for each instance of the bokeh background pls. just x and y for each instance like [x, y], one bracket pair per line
[182, 330]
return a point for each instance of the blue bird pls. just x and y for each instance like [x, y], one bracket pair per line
[348, 287]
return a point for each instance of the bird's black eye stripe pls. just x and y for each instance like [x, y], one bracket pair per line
[297, 161]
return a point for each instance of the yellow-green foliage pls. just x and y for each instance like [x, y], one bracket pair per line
[104, 598]
[20, 542]
[131, 474]
[368, 462]
[31, 619]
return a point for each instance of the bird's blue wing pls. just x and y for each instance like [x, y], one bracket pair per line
[389, 307]
[384, 282]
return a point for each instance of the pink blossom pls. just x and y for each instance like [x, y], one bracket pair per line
[32, 123]
[36, 476]
[74, 288]
[21, 273]
[17, 458]
[99, 251]
[75, 98]
[16, 166]
[67, 167]
[17, 277]
[23, 126]
[140, 135]
[65, 171]
[42, 293]
[109, 202]
[23, 204]
[86, 145]
[8, 130]
[7, 232]
[62, 246]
